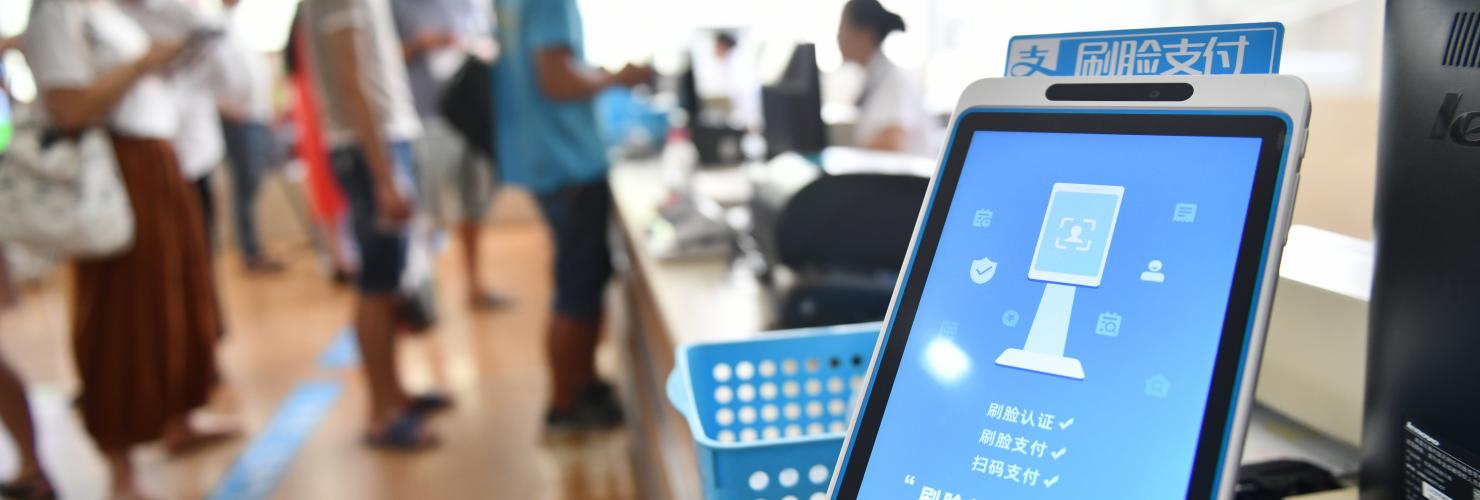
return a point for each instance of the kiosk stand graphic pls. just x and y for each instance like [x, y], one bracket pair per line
[1072, 248]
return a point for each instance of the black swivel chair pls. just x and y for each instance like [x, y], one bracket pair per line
[845, 238]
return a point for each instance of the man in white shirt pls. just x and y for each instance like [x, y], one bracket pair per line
[360, 78]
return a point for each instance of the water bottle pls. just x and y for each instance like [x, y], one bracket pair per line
[680, 159]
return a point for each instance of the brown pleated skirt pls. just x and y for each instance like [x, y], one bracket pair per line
[146, 323]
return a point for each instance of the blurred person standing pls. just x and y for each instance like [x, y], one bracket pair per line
[548, 142]
[360, 78]
[326, 201]
[437, 36]
[737, 73]
[244, 100]
[145, 322]
[30, 481]
[199, 141]
[892, 113]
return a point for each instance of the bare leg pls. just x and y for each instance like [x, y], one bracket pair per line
[479, 297]
[124, 487]
[182, 437]
[571, 347]
[15, 411]
[467, 234]
[8, 294]
[376, 333]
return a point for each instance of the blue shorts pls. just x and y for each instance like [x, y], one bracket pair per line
[578, 217]
[382, 250]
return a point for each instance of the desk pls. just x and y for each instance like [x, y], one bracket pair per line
[676, 302]
[671, 303]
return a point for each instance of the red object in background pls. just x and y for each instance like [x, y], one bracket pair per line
[324, 195]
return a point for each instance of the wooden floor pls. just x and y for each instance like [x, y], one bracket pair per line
[491, 362]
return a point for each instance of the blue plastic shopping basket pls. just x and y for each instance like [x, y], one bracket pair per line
[769, 415]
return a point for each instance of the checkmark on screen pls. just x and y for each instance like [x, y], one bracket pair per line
[982, 270]
[1051, 481]
[1065, 424]
[1059, 454]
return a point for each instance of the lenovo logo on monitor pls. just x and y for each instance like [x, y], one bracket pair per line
[1463, 129]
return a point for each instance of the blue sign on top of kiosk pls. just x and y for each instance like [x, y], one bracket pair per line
[1229, 49]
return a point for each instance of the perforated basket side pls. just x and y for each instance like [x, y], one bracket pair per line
[768, 415]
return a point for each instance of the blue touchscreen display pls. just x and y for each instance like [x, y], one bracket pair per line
[1064, 343]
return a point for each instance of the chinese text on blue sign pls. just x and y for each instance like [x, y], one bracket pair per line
[1200, 50]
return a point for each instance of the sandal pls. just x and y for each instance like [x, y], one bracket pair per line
[429, 403]
[29, 488]
[407, 433]
[199, 440]
[486, 301]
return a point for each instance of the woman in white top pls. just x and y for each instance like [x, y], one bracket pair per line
[144, 323]
[891, 109]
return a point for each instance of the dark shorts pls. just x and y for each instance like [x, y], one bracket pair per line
[578, 217]
[382, 250]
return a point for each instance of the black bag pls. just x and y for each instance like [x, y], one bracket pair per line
[467, 103]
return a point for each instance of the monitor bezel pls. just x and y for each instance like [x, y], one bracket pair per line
[1275, 131]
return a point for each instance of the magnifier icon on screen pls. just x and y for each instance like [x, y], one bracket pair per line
[1073, 246]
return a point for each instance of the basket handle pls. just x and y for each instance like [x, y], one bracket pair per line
[678, 393]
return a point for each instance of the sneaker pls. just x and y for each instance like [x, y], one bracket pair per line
[596, 408]
[484, 301]
[564, 422]
[598, 393]
[260, 265]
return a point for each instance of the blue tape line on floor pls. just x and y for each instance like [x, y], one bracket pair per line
[259, 468]
[342, 352]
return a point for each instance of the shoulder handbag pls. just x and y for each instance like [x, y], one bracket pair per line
[467, 103]
[62, 195]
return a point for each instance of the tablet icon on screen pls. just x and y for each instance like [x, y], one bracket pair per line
[1073, 246]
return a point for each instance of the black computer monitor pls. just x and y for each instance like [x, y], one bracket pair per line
[792, 106]
[1421, 433]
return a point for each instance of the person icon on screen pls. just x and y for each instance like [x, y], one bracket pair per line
[1153, 272]
[1074, 233]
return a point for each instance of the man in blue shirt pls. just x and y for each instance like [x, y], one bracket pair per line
[549, 142]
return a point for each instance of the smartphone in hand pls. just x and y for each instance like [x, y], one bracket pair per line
[197, 43]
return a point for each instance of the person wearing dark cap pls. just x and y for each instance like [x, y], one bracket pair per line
[891, 108]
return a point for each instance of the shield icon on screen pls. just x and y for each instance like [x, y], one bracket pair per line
[982, 270]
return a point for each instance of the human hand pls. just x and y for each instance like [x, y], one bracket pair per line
[633, 75]
[483, 48]
[432, 40]
[9, 43]
[161, 53]
[391, 206]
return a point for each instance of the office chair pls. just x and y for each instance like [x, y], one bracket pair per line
[845, 238]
